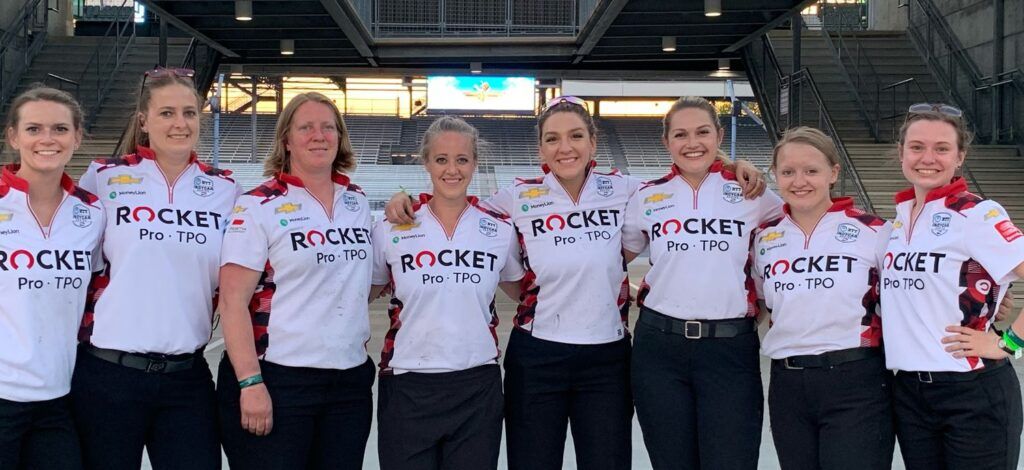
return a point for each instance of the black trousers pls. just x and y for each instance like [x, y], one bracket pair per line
[118, 410]
[445, 421]
[969, 425]
[322, 417]
[833, 418]
[38, 435]
[699, 402]
[550, 384]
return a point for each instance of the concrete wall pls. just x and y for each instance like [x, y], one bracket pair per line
[972, 21]
[886, 15]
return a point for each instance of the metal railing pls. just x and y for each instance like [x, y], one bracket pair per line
[790, 100]
[105, 64]
[20, 43]
[1001, 98]
[855, 64]
[903, 95]
[62, 83]
[474, 18]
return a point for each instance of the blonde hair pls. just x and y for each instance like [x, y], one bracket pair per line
[279, 160]
[449, 124]
[808, 136]
[136, 137]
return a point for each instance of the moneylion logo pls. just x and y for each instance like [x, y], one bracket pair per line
[770, 236]
[123, 179]
[287, 208]
[404, 227]
[534, 193]
[655, 198]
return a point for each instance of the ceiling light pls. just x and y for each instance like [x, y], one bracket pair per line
[287, 47]
[712, 7]
[476, 67]
[243, 10]
[668, 43]
[723, 64]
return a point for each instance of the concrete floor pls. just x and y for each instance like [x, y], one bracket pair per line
[506, 308]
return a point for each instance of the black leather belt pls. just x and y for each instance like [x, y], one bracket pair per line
[696, 329]
[148, 362]
[829, 359]
[931, 377]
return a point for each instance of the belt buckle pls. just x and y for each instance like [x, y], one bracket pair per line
[156, 365]
[925, 377]
[686, 329]
[788, 366]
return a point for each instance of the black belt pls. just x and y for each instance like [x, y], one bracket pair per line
[930, 377]
[696, 329]
[829, 359]
[148, 362]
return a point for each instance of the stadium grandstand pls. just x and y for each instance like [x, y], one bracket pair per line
[848, 67]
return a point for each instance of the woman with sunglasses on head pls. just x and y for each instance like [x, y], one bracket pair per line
[816, 269]
[50, 233]
[294, 387]
[440, 402]
[141, 379]
[949, 261]
[696, 371]
[568, 355]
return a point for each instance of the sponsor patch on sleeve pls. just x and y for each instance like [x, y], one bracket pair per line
[1008, 231]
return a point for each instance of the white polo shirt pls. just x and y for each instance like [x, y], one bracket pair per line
[821, 287]
[309, 308]
[948, 266]
[700, 244]
[44, 274]
[575, 290]
[162, 250]
[442, 312]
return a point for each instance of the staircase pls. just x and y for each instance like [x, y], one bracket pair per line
[68, 58]
[889, 55]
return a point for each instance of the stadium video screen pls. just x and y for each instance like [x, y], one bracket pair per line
[480, 93]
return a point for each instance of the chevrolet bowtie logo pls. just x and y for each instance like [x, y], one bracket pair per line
[658, 197]
[239, 209]
[770, 236]
[992, 214]
[533, 193]
[124, 179]
[404, 227]
[6, 216]
[287, 207]
[897, 224]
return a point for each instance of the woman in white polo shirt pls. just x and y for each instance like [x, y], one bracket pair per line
[817, 270]
[949, 261]
[49, 233]
[295, 386]
[440, 401]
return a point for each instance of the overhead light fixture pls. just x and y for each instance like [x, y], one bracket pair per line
[243, 10]
[287, 47]
[712, 7]
[668, 43]
[476, 67]
[723, 64]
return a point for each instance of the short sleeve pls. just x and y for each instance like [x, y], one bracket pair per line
[994, 241]
[513, 269]
[882, 243]
[88, 180]
[501, 201]
[632, 184]
[98, 263]
[245, 240]
[756, 274]
[380, 276]
[769, 206]
[633, 237]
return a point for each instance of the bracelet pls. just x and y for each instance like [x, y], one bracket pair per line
[1009, 341]
[250, 381]
[1011, 338]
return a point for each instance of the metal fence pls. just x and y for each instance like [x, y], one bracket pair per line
[475, 18]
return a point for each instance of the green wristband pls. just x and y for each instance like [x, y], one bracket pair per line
[1008, 338]
[250, 381]
[1012, 339]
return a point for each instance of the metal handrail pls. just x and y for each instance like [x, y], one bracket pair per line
[853, 81]
[22, 41]
[830, 128]
[63, 80]
[896, 111]
[106, 60]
